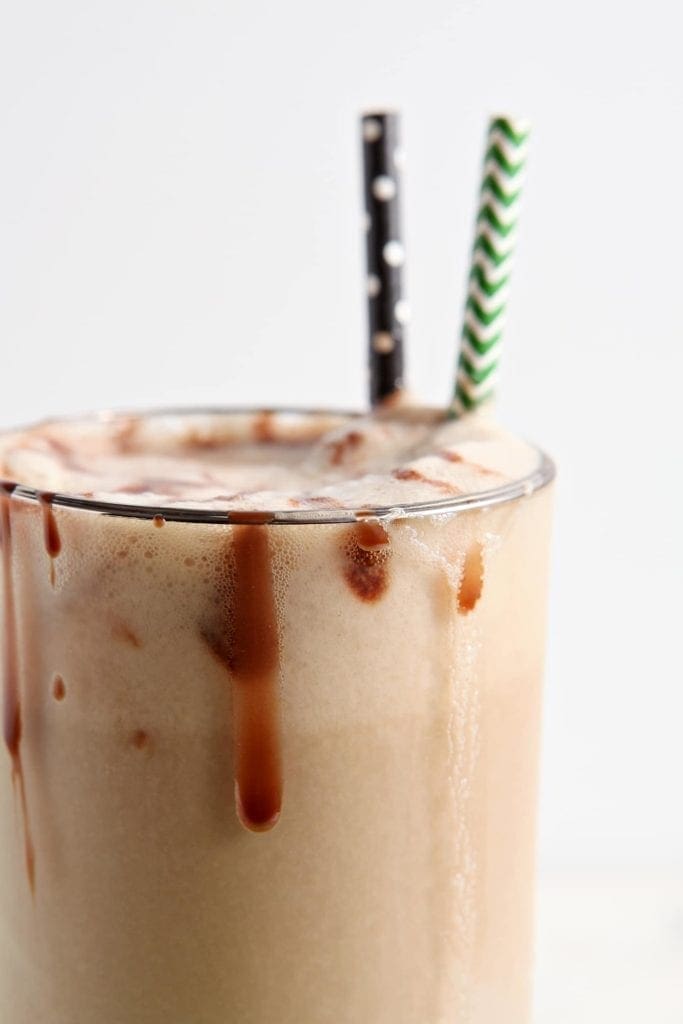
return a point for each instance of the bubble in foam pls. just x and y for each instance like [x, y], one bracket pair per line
[285, 553]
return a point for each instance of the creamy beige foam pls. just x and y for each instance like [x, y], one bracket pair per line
[363, 697]
[266, 461]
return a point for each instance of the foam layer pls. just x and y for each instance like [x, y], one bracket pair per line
[273, 461]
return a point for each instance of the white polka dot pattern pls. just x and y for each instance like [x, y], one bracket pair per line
[393, 254]
[402, 311]
[383, 342]
[372, 129]
[384, 188]
[387, 310]
[374, 286]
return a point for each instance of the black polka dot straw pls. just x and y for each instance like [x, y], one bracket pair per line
[387, 309]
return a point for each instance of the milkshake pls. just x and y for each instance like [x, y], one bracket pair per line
[271, 708]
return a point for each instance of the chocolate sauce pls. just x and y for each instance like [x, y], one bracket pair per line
[346, 444]
[12, 719]
[58, 688]
[12, 710]
[126, 430]
[253, 518]
[60, 448]
[371, 534]
[366, 554]
[450, 456]
[122, 631]
[203, 441]
[158, 520]
[52, 540]
[175, 488]
[140, 739]
[320, 499]
[263, 428]
[414, 474]
[267, 430]
[246, 643]
[67, 455]
[472, 581]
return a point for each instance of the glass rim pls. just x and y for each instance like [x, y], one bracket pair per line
[542, 475]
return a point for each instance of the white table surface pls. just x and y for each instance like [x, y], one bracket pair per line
[610, 950]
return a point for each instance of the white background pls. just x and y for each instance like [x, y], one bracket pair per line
[179, 211]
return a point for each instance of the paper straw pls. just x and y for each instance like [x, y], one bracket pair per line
[488, 287]
[387, 309]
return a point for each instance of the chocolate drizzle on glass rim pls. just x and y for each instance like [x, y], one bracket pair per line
[243, 635]
[541, 475]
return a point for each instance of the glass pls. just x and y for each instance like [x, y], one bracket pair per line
[263, 775]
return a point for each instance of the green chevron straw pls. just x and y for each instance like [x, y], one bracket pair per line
[494, 242]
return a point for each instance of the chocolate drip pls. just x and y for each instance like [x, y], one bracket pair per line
[246, 643]
[255, 660]
[366, 555]
[53, 542]
[122, 631]
[12, 711]
[140, 739]
[12, 719]
[253, 518]
[369, 534]
[472, 581]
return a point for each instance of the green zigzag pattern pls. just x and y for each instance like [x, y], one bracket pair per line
[495, 154]
[481, 347]
[484, 245]
[494, 185]
[504, 160]
[466, 403]
[505, 126]
[477, 375]
[489, 288]
[489, 216]
[481, 315]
